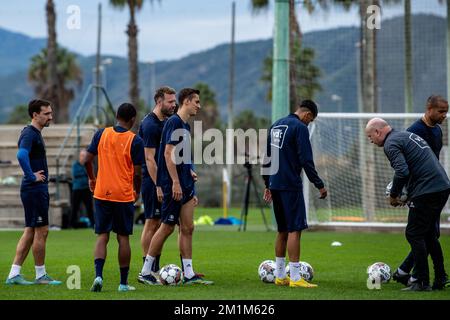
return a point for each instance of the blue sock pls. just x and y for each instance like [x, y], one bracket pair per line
[99, 263]
[155, 266]
[124, 275]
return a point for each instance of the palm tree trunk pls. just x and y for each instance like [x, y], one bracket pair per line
[133, 56]
[408, 59]
[52, 75]
[368, 92]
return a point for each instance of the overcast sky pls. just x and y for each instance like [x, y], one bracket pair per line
[170, 29]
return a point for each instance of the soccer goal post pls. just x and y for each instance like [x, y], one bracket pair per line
[357, 172]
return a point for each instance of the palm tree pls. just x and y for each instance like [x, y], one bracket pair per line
[132, 31]
[209, 114]
[51, 92]
[68, 74]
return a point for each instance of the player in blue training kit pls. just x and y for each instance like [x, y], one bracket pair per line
[177, 183]
[428, 128]
[290, 152]
[34, 195]
[150, 131]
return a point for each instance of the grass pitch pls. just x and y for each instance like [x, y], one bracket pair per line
[228, 257]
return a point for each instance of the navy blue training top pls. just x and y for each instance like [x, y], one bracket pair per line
[432, 135]
[150, 131]
[31, 140]
[289, 136]
[180, 139]
[137, 146]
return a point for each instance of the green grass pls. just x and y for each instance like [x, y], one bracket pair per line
[228, 257]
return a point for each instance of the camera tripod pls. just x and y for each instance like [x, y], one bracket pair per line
[249, 182]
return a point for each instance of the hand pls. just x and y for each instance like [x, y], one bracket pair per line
[323, 193]
[396, 202]
[40, 177]
[92, 185]
[177, 193]
[267, 196]
[159, 194]
[195, 201]
[194, 175]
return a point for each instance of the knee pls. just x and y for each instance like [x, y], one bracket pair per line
[187, 230]
[41, 233]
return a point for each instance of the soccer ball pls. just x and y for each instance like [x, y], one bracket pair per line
[403, 195]
[266, 271]
[379, 271]
[171, 275]
[306, 271]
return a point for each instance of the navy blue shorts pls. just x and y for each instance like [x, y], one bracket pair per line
[36, 203]
[170, 209]
[152, 207]
[114, 216]
[289, 209]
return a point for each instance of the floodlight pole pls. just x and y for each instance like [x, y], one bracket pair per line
[230, 146]
[97, 67]
[280, 75]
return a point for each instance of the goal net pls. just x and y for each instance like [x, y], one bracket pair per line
[355, 171]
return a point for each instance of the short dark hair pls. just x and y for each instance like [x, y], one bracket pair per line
[126, 112]
[434, 100]
[187, 93]
[159, 93]
[35, 106]
[310, 105]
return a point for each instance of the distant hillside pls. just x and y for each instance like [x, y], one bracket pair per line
[335, 55]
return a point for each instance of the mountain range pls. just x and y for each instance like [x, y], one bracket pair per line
[336, 56]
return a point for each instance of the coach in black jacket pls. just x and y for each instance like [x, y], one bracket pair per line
[428, 187]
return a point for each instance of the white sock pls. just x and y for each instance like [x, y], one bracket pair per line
[401, 272]
[412, 279]
[15, 270]
[280, 271]
[294, 268]
[188, 269]
[40, 271]
[147, 267]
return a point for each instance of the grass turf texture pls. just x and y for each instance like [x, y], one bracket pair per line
[228, 257]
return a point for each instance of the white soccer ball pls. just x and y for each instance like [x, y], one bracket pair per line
[171, 275]
[306, 271]
[266, 271]
[403, 195]
[379, 272]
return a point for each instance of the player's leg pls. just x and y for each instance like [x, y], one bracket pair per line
[185, 237]
[123, 219]
[149, 230]
[88, 203]
[76, 203]
[402, 275]
[22, 250]
[281, 240]
[103, 226]
[416, 230]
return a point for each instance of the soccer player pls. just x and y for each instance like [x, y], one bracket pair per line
[116, 188]
[289, 138]
[34, 195]
[177, 183]
[150, 131]
[417, 167]
[428, 128]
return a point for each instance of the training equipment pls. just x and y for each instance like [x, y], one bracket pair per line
[306, 271]
[266, 271]
[355, 171]
[171, 275]
[403, 195]
[125, 288]
[379, 272]
[19, 279]
[302, 283]
[46, 279]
